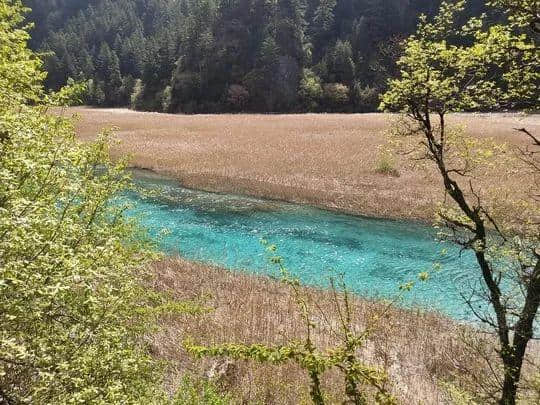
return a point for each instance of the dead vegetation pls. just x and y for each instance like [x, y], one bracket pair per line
[327, 160]
[419, 350]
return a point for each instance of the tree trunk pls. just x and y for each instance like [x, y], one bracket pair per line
[523, 333]
[511, 377]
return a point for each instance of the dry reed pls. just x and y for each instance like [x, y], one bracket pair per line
[419, 349]
[327, 160]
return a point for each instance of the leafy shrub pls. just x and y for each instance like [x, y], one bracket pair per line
[196, 391]
[336, 94]
[72, 309]
[310, 91]
[366, 98]
[166, 98]
[237, 96]
[136, 99]
[386, 164]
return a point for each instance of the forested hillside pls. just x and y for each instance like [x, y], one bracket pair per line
[227, 55]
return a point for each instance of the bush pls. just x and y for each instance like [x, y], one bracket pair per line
[336, 94]
[136, 99]
[200, 392]
[166, 99]
[366, 98]
[311, 91]
[72, 307]
[237, 96]
[386, 164]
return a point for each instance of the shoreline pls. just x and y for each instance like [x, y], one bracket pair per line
[331, 209]
[418, 349]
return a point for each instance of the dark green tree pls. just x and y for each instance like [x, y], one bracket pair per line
[194, 51]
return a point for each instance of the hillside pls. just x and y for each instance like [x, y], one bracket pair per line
[227, 55]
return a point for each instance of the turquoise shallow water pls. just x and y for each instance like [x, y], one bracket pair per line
[376, 256]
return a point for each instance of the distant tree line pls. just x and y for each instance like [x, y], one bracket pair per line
[195, 56]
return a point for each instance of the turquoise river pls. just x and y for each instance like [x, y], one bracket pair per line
[375, 256]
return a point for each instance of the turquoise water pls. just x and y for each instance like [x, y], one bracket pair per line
[375, 256]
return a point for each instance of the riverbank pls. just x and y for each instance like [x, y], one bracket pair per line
[420, 350]
[325, 160]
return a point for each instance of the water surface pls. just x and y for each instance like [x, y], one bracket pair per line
[375, 256]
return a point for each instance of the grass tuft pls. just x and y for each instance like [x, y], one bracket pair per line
[386, 165]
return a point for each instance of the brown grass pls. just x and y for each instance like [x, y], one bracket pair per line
[328, 160]
[418, 349]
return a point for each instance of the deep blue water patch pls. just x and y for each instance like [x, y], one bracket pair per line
[375, 256]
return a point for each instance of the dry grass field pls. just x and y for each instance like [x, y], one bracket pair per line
[327, 160]
[419, 350]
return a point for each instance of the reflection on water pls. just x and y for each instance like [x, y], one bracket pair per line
[376, 256]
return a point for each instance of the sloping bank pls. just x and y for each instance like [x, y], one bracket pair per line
[420, 350]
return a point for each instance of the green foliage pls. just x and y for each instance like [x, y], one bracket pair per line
[20, 75]
[323, 18]
[335, 95]
[311, 91]
[365, 97]
[386, 163]
[340, 63]
[480, 64]
[362, 382]
[458, 396]
[166, 99]
[193, 391]
[455, 77]
[73, 308]
[201, 48]
[136, 101]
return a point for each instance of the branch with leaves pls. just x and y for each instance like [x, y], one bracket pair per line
[497, 68]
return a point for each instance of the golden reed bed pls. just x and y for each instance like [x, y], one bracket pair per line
[419, 350]
[327, 160]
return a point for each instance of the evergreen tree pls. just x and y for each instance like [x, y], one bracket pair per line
[323, 24]
[341, 67]
[197, 50]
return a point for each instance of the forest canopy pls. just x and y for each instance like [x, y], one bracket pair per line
[227, 55]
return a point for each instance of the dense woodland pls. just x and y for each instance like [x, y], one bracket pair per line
[227, 55]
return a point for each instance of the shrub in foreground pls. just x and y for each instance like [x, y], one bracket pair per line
[71, 307]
